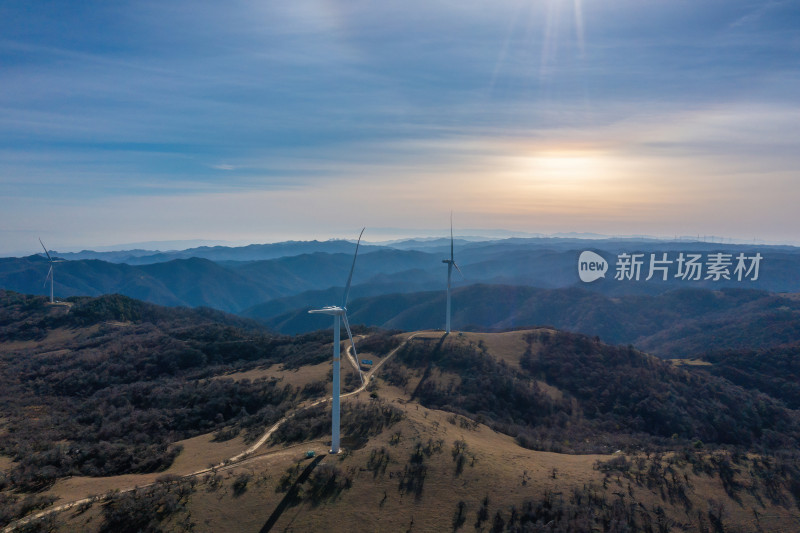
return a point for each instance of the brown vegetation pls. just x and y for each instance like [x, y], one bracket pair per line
[459, 436]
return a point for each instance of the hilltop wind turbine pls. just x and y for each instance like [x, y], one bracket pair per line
[450, 264]
[340, 315]
[50, 272]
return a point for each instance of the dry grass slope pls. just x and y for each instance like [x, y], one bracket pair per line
[436, 471]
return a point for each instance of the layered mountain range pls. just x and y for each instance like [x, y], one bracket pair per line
[505, 283]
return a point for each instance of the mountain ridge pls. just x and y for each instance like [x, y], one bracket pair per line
[235, 286]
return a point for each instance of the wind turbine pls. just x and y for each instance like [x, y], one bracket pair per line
[50, 272]
[450, 264]
[340, 315]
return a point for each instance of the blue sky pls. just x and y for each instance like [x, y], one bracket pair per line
[264, 121]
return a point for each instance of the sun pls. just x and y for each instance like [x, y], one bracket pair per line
[564, 168]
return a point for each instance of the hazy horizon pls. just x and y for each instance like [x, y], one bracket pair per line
[386, 236]
[252, 122]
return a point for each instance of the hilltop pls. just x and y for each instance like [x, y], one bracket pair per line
[521, 427]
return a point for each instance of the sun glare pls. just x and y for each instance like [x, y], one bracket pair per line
[565, 167]
[564, 182]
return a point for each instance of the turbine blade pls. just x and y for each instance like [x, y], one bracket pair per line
[459, 270]
[352, 345]
[48, 276]
[451, 236]
[350, 277]
[45, 250]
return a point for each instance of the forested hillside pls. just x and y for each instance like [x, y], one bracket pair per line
[105, 385]
[674, 324]
[774, 371]
[98, 387]
[607, 397]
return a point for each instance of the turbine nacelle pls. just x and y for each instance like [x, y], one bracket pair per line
[330, 310]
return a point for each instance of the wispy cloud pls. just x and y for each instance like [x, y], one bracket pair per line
[662, 108]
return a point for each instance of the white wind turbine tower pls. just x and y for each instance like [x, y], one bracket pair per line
[450, 264]
[339, 314]
[50, 272]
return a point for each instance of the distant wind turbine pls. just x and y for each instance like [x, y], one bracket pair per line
[340, 314]
[450, 264]
[50, 272]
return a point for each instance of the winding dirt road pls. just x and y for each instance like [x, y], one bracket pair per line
[237, 460]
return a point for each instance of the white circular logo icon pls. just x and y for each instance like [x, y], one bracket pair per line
[591, 266]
